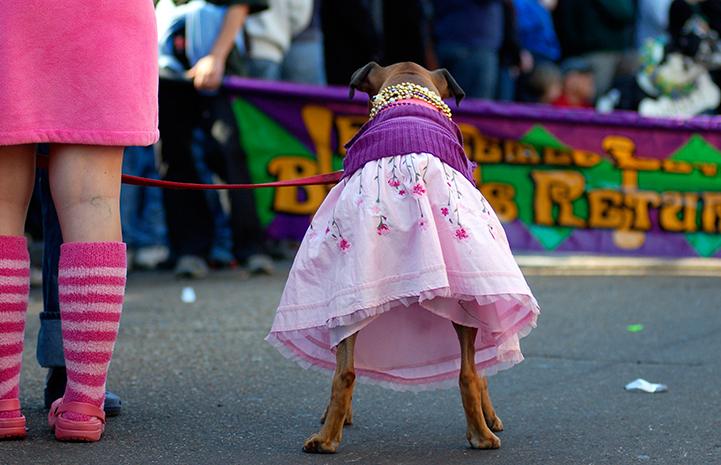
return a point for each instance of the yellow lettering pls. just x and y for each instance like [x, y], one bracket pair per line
[711, 213]
[560, 188]
[287, 199]
[605, 209]
[347, 127]
[502, 199]
[640, 202]
[622, 149]
[678, 212]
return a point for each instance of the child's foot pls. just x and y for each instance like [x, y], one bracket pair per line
[12, 423]
[76, 430]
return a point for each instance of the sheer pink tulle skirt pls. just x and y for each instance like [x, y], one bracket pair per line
[401, 249]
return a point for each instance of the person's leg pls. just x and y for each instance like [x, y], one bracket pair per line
[150, 233]
[50, 339]
[85, 185]
[304, 62]
[17, 174]
[50, 343]
[476, 70]
[484, 65]
[264, 69]
[188, 235]
[248, 234]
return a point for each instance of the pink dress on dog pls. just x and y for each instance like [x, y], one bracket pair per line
[400, 248]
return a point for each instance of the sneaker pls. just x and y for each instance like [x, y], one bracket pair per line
[148, 258]
[261, 264]
[191, 267]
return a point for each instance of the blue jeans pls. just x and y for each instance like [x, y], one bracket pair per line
[305, 62]
[50, 338]
[260, 68]
[141, 208]
[475, 69]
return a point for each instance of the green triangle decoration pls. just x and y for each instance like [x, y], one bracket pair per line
[264, 139]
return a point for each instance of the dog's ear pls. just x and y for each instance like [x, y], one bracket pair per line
[446, 85]
[367, 79]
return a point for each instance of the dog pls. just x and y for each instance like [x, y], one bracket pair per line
[481, 417]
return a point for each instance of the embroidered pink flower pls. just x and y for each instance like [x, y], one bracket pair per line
[444, 211]
[419, 190]
[358, 201]
[343, 245]
[461, 233]
[402, 192]
[423, 224]
[383, 229]
[375, 209]
[394, 182]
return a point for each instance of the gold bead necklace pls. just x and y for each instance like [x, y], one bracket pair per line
[407, 90]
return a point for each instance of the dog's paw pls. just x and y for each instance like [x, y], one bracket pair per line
[479, 442]
[495, 424]
[316, 444]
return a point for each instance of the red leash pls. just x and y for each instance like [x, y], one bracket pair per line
[328, 178]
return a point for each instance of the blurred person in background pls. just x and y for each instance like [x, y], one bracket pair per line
[538, 36]
[271, 33]
[352, 33]
[652, 20]
[544, 84]
[578, 88]
[407, 32]
[304, 61]
[513, 59]
[602, 33]
[203, 40]
[468, 35]
[141, 212]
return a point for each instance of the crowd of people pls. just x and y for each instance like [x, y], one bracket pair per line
[659, 57]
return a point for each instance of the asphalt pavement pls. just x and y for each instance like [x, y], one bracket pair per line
[200, 386]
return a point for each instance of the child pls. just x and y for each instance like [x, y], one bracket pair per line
[84, 79]
[402, 247]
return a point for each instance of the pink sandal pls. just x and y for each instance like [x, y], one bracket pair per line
[12, 428]
[72, 430]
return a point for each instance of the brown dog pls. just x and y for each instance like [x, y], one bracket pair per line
[480, 415]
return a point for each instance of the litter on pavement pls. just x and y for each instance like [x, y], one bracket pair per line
[641, 385]
[188, 295]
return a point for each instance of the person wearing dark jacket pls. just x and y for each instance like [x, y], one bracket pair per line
[468, 35]
[602, 33]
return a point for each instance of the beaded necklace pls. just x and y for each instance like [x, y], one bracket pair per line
[407, 90]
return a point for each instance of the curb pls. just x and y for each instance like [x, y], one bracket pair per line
[584, 265]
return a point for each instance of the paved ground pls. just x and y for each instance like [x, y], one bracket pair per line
[200, 385]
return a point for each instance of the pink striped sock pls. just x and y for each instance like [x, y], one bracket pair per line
[91, 283]
[14, 290]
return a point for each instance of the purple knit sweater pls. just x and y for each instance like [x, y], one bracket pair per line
[408, 128]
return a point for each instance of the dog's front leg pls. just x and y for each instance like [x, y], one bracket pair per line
[478, 434]
[489, 413]
[327, 440]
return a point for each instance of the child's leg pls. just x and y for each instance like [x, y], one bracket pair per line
[17, 172]
[85, 184]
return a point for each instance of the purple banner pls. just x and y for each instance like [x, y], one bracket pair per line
[561, 180]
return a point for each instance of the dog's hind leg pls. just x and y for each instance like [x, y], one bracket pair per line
[489, 413]
[478, 434]
[348, 415]
[326, 441]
